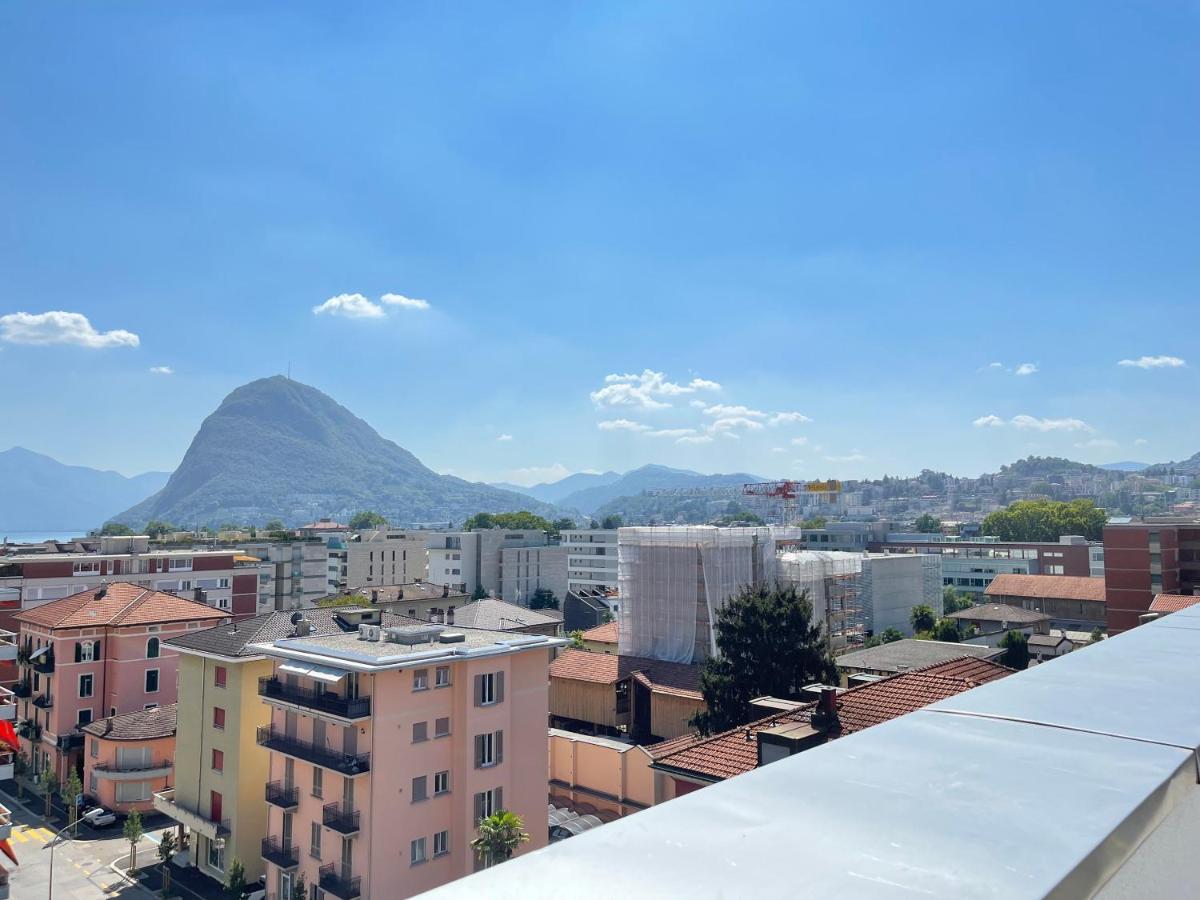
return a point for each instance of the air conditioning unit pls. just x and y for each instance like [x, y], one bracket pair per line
[368, 632]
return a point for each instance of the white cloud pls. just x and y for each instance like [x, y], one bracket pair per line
[59, 327]
[1033, 423]
[671, 432]
[621, 425]
[645, 390]
[1097, 443]
[695, 439]
[1026, 369]
[1140, 442]
[788, 418]
[995, 365]
[779, 449]
[799, 441]
[404, 302]
[161, 370]
[504, 437]
[852, 456]
[698, 404]
[352, 306]
[1154, 362]
[733, 422]
[722, 410]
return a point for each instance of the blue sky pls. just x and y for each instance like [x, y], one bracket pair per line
[847, 213]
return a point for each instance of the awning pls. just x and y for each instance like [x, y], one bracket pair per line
[40, 652]
[327, 674]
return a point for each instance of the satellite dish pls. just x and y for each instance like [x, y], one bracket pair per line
[297, 616]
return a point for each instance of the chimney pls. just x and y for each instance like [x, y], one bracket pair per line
[400, 594]
[100, 593]
[198, 595]
[825, 716]
[374, 596]
[445, 590]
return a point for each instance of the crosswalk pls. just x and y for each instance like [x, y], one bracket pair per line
[25, 834]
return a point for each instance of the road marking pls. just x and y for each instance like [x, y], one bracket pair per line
[42, 834]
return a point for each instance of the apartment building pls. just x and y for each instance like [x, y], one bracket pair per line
[227, 578]
[219, 800]
[293, 574]
[386, 557]
[129, 757]
[95, 654]
[591, 559]
[1144, 559]
[433, 729]
[525, 570]
[468, 560]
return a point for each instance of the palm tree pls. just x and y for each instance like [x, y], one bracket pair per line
[499, 836]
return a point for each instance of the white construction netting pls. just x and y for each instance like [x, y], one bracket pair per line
[829, 576]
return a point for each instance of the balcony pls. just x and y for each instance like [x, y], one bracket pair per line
[8, 646]
[272, 689]
[124, 772]
[346, 888]
[30, 730]
[44, 664]
[339, 818]
[8, 705]
[5, 823]
[349, 764]
[277, 854]
[22, 689]
[286, 798]
[43, 701]
[70, 741]
[164, 802]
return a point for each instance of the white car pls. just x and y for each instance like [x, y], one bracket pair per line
[98, 816]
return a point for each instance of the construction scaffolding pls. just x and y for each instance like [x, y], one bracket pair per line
[833, 581]
[674, 580]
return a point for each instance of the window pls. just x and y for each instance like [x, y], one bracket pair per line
[220, 674]
[318, 781]
[94, 748]
[84, 651]
[420, 679]
[488, 802]
[146, 707]
[222, 582]
[218, 760]
[441, 727]
[441, 843]
[489, 688]
[83, 717]
[152, 648]
[216, 856]
[441, 675]
[218, 718]
[86, 685]
[86, 568]
[314, 843]
[441, 783]
[92, 783]
[420, 790]
[132, 791]
[420, 732]
[417, 851]
[181, 564]
[489, 749]
[152, 681]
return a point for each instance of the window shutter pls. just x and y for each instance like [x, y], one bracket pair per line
[478, 750]
[499, 795]
[499, 687]
[78, 652]
[479, 690]
[479, 801]
[96, 653]
[499, 746]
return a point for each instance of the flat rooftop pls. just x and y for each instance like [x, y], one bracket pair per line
[900, 656]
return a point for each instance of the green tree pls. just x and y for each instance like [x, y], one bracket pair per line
[576, 640]
[20, 770]
[927, 524]
[945, 630]
[560, 525]
[921, 617]
[814, 523]
[499, 835]
[166, 849]
[769, 644]
[235, 880]
[133, 834]
[71, 790]
[890, 636]
[479, 593]
[1016, 650]
[1097, 635]
[1046, 520]
[115, 529]
[514, 521]
[952, 601]
[274, 525]
[365, 520]
[299, 888]
[49, 785]
[156, 528]
[543, 598]
[343, 600]
[613, 521]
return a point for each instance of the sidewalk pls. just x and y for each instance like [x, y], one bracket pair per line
[187, 883]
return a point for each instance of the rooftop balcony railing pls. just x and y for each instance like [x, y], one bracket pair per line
[284, 856]
[320, 701]
[339, 818]
[333, 882]
[343, 763]
[287, 798]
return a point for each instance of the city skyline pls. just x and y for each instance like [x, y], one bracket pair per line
[803, 243]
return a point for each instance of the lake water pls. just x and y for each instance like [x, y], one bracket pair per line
[34, 537]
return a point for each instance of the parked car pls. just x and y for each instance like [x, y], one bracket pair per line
[98, 817]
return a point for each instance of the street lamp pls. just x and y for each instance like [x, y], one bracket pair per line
[52, 844]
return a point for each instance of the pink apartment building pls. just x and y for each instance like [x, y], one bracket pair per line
[96, 654]
[127, 758]
[389, 744]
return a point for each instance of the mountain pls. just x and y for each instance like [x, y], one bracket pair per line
[554, 491]
[1125, 466]
[276, 448]
[42, 494]
[648, 478]
[1190, 466]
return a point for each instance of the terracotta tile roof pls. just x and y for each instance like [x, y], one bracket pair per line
[121, 603]
[602, 634]
[143, 725]
[679, 679]
[736, 751]
[1169, 603]
[999, 612]
[1039, 587]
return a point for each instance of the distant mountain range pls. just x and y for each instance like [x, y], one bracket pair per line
[276, 448]
[555, 491]
[1125, 466]
[42, 494]
[588, 493]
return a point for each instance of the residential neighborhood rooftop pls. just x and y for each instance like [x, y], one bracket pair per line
[1169, 603]
[119, 603]
[143, 725]
[907, 654]
[999, 613]
[1058, 587]
[609, 668]
[413, 590]
[608, 633]
[500, 615]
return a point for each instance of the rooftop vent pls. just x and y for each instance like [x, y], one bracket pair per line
[300, 625]
[452, 637]
[413, 634]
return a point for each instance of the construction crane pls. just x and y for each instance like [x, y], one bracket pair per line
[788, 492]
